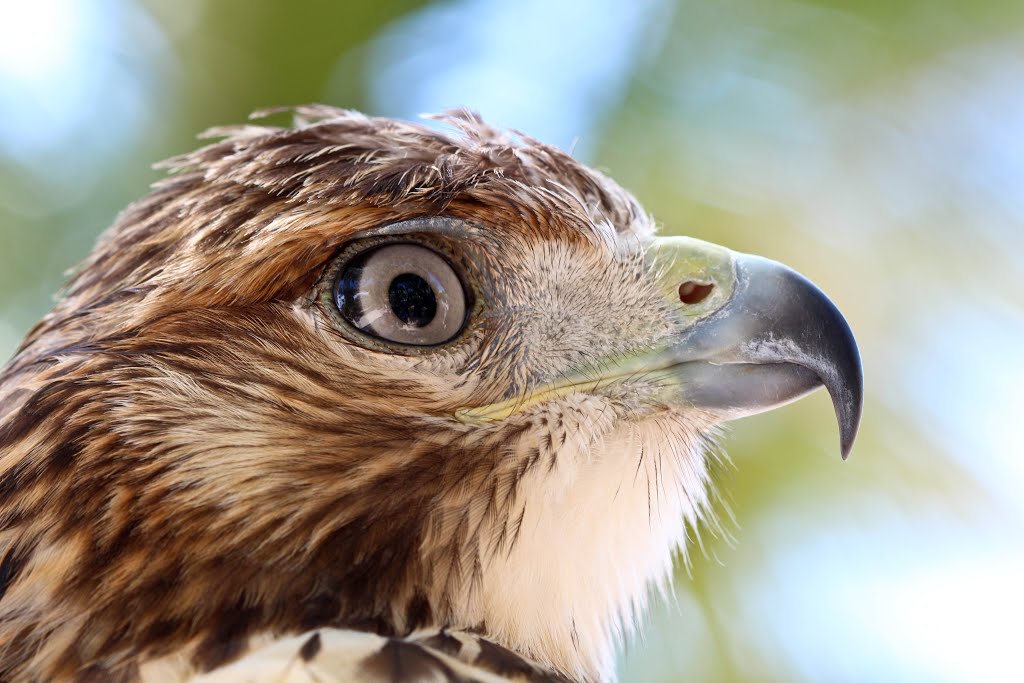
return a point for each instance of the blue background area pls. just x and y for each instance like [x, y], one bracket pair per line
[876, 146]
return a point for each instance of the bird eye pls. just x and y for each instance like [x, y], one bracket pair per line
[402, 293]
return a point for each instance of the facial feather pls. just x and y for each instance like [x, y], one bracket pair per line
[192, 454]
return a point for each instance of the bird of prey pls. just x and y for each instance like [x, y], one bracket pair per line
[357, 399]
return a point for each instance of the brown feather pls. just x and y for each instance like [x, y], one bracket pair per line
[190, 454]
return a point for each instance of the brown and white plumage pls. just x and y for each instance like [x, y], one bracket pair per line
[205, 470]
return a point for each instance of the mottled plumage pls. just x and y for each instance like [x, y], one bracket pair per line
[200, 461]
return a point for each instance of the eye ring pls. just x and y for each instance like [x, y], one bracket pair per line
[401, 293]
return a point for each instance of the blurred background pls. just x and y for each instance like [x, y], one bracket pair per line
[875, 145]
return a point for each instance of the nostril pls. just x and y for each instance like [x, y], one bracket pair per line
[691, 292]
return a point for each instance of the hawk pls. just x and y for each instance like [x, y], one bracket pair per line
[360, 400]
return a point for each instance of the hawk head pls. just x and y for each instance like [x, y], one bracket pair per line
[364, 374]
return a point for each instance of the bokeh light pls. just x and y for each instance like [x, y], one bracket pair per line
[876, 146]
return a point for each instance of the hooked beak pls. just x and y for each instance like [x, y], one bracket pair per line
[769, 338]
[752, 335]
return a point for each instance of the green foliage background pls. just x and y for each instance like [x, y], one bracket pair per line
[876, 146]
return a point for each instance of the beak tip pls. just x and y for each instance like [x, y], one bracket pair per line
[849, 417]
[844, 450]
[847, 436]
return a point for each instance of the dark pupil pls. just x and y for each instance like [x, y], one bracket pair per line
[412, 300]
